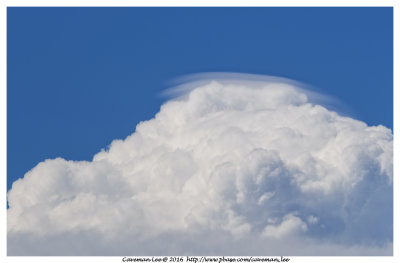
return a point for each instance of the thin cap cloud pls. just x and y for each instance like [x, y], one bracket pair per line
[253, 166]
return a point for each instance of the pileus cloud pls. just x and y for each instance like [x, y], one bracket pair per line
[233, 167]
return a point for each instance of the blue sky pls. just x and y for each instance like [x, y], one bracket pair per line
[80, 77]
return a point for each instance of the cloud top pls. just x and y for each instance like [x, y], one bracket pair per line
[255, 165]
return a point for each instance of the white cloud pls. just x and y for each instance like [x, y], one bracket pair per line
[243, 164]
[291, 225]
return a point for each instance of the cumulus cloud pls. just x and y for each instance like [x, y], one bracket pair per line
[230, 166]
